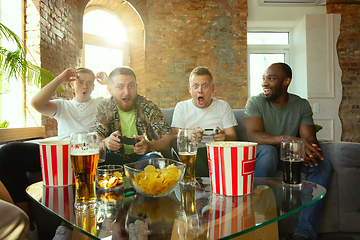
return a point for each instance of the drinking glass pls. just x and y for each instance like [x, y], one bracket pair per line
[187, 142]
[292, 154]
[84, 154]
[188, 202]
[102, 151]
[86, 219]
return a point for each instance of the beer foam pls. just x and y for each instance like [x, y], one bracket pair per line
[187, 153]
[83, 152]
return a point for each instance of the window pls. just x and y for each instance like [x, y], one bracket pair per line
[267, 38]
[264, 48]
[11, 16]
[106, 44]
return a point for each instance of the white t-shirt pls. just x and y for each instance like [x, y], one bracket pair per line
[73, 116]
[218, 114]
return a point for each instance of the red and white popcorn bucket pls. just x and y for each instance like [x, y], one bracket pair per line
[60, 200]
[229, 215]
[231, 167]
[55, 163]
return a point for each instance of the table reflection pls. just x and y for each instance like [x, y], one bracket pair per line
[109, 202]
[190, 212]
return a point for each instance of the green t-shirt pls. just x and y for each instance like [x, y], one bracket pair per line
[128, 127]
[280, 120]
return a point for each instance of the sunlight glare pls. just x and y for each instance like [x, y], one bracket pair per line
[95, 20]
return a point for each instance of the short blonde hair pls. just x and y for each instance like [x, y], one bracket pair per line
[201, 71]
[122, 71]
[85, 70]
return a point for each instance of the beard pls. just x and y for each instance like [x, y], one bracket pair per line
[271, 98]
[275, 93]
[125, 106]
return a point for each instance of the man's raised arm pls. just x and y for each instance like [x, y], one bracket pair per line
[41, 101]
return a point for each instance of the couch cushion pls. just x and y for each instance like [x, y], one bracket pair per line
[240, 130]
[168, 114]
[345, 160]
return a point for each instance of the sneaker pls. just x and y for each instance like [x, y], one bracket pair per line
[63, 233]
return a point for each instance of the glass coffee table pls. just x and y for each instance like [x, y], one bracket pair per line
[188, 213]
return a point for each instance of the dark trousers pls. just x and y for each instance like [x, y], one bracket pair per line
[16, 159]
[201, 163]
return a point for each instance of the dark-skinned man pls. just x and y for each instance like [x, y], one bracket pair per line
[275, 116]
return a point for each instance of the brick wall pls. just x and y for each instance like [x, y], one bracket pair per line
[53, 34]
[348, 48]
[181, 35]
[167, 40]
[171, 37]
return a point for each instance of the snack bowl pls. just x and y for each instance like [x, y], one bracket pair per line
[109, 177]
[154, 177]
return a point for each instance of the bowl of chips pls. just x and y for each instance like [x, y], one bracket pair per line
[109, 176]
[154, 177]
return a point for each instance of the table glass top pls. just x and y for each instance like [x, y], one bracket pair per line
[190, 212]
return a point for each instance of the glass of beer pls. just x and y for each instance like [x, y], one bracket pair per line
[292, 154]
[187, 142]
[86, 219]
[84, 154]
[188, 202]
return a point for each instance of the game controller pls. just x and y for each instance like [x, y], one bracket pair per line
[128, 141]
[210, 131]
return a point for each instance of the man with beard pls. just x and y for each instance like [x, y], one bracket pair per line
[204, 112]
[130, 115]
[275, 116]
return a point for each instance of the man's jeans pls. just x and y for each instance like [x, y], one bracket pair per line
[309, 219]
[115, 159]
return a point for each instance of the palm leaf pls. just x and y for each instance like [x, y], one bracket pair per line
[14, 65]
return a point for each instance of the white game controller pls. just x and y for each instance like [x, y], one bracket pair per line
[210, 131]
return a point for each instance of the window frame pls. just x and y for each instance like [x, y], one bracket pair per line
[267, 49]
[102, 42]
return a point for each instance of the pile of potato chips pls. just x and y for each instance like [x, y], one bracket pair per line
[155, 181]
[113, 180]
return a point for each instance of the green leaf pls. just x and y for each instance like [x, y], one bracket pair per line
[14, 65]
[4, 124]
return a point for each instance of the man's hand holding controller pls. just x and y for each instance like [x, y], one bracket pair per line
[115, 141]
[128, 141]
[210, 131]
[217, 133]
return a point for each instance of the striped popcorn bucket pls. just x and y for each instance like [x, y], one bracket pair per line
[55, 163]
[231, 167]
[60, 200]
[229, 215]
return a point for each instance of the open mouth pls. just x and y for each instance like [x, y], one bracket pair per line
[201, 100]
[84, 93]
[266, 91]
[126, 100]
